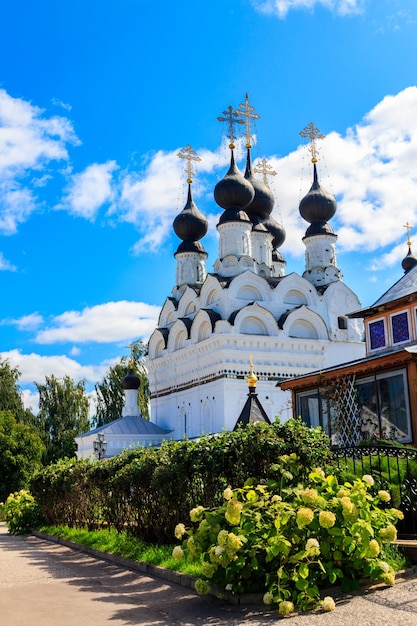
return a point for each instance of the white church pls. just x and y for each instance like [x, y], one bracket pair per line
[198, 356]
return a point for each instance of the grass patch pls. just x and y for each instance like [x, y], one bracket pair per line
[123, 544]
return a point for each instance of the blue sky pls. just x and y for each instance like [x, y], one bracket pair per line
[97, 99]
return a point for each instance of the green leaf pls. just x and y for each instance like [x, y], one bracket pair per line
[303, 570]
[302, 585]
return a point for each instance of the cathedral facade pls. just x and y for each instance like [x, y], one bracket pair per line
[248, 306]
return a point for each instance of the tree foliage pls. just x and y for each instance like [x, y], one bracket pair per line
[63, 414]
[110, 395]
[10, 396]
[21, 451]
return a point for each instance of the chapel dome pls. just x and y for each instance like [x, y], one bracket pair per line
[318, 204]
[131, 380]
[233, 190]
[277, 231]
[190, 224]
[263, 201]
[409, 261]
[190, 245]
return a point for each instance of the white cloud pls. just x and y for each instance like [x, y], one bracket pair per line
[31, 400]
[104, 323]
[34, 367]
[59, 103]
[27, 322]
[5, 265]
[29, 143]
[89, 190]
[282, 7]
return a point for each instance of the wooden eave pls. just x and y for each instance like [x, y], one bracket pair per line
[367, 366]
[384, 307]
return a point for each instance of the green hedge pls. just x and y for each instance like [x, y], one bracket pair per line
[149, 491]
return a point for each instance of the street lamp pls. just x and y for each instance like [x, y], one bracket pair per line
[100, 446]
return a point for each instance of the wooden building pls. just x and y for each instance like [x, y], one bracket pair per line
[375, 395]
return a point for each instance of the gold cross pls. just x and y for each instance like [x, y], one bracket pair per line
[248, 112]
[313, 134]
[266, 170]
[131, 361]
[231, 119]
[408, 227]
[191, 155]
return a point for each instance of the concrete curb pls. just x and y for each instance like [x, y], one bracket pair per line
[184, 580]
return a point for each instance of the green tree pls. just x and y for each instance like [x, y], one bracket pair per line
[10, 395]
[110, 393]
[21, 451]
[63, 414]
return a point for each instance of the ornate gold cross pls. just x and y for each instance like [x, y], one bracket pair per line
[231, 119]
[190, 155]
[408, 227]
[248, 112]
[312, 133]
[266, 170]
[131, 361]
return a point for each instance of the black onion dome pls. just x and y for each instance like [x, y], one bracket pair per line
[277, 231]
[189, 245]
[319, 227]
[259, 227]
[318, 204]
[131, 380]
[233, 214]
[233, 190]
[263, 201]
[190, 223]
[409, 261]
[277, 257]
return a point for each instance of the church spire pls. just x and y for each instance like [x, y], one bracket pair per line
[190, 225]
[317, 207]
[409, 261]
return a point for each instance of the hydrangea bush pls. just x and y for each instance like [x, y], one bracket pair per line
[21, 513]
[287, 540]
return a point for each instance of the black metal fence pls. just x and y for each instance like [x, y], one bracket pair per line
[394, 469]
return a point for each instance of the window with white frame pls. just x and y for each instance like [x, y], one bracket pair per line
[400, 327]
[384, 406]
[377, 334]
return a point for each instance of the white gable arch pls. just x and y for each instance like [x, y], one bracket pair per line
[188, 303]
[203, 326]
[251, 287]
[211, 291]
[157, 343]
[255, 320]
[294, 291]
[178, 336]
[341, 297]
[304, 324]
[168, 314]
[295, 297]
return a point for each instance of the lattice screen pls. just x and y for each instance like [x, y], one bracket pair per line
[346, 412]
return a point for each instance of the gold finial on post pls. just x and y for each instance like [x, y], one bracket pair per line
[408, 227]
[190, 155]
[231, 118]
[312, 133]
[131, 361]
[266, 170]
[252, 379]
[248, 112]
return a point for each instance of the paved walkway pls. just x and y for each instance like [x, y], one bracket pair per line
[46, 584]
